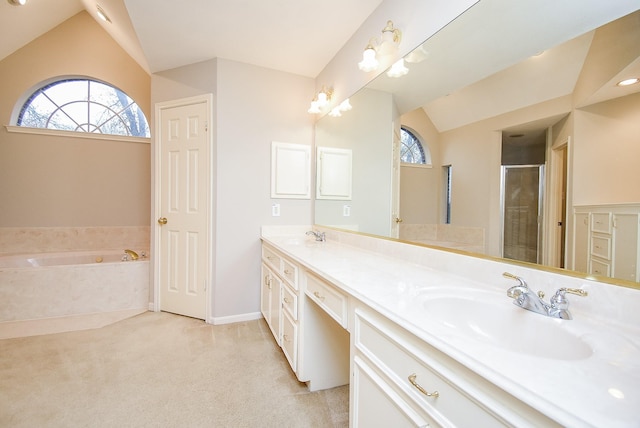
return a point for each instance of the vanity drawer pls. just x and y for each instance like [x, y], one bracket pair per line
[290, 302]
[601, 222]
[397, 359]
[601, 246]
[329, 298]
[290, 273]
[290, 340]
[271, 258]
[601, 268]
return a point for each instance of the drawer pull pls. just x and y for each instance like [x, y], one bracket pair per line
[286, 338]
[287, 272]
[318, 295]
[267, 281]
[412, 379]
[286, 300]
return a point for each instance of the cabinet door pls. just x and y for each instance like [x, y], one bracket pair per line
[270, 301]
[625, 247]
[333, 179]
[376, 404]
[290, 171]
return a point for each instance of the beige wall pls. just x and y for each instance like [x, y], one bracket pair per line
[420, 187]
[606, 152]
[253, 107]
[51, 181]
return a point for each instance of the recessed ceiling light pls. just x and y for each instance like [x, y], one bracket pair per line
[102, 14]
[17, 2]
[627, 82]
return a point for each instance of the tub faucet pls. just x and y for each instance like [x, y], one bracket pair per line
[558, 306]
[320, 237]
[132, 254]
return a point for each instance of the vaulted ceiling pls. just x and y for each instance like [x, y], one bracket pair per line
[296, 36]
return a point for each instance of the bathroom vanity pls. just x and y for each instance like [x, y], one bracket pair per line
[427, 337]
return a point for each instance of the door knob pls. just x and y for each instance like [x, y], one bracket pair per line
[162, 220]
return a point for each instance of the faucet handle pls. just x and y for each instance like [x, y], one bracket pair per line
[559, 300]
[515, 277]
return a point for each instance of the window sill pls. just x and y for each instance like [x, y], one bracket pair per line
[416, 165]
[87, 135]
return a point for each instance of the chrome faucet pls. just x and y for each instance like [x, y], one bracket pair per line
[132, 254]
[320, 237]
[558, 306]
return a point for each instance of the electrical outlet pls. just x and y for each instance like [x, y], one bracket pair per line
[275, 210]
[346, 210]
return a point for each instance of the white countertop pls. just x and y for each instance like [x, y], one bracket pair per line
[600, 390]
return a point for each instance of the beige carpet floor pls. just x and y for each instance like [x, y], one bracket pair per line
[159, 370]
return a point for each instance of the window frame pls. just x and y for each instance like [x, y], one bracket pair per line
[28, 94]
[419, 141]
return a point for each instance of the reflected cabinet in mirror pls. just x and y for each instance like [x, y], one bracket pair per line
[532, 146]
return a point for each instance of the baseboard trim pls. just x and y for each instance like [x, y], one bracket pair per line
[235, 318]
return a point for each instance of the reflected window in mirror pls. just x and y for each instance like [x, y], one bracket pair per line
[446, 180]
[411, 149]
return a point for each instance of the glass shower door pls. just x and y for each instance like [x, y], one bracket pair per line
[522, 192]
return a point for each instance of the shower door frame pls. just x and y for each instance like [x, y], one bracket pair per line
[540, 218]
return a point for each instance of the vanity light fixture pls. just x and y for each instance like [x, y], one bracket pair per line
[17, 2]
[342, 107]
[387, 45]
[417, 55]
[627, 82]
[345, 105]
[335, 112]
[369, 61]
[398, 69]
[102, 14]
[320, 100]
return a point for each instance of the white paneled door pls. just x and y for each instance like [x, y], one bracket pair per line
[183, 206]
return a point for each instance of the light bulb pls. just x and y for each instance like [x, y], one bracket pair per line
[335, 112]
[314, 109]
[322, 99]
[345, 105]
[369, 61]
[398, 69]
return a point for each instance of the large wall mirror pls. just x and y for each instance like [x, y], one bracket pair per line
[530, 141]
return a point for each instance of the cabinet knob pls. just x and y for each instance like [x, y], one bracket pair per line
[286, 300]
[412, 379]
[318, 295]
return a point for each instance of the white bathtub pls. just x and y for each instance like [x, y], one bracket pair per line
[54, 292]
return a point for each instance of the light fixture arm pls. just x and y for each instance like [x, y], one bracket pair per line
[396, 35]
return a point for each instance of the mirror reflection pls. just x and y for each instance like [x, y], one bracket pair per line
[530, 150]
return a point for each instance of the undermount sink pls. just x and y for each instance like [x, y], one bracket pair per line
[489, 319]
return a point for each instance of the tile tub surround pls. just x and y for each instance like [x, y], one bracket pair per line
[41, 300]
[445, 235]
[51, 239]
[390, 276]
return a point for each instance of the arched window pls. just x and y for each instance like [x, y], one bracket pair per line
[411, 150]
[83, 105]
